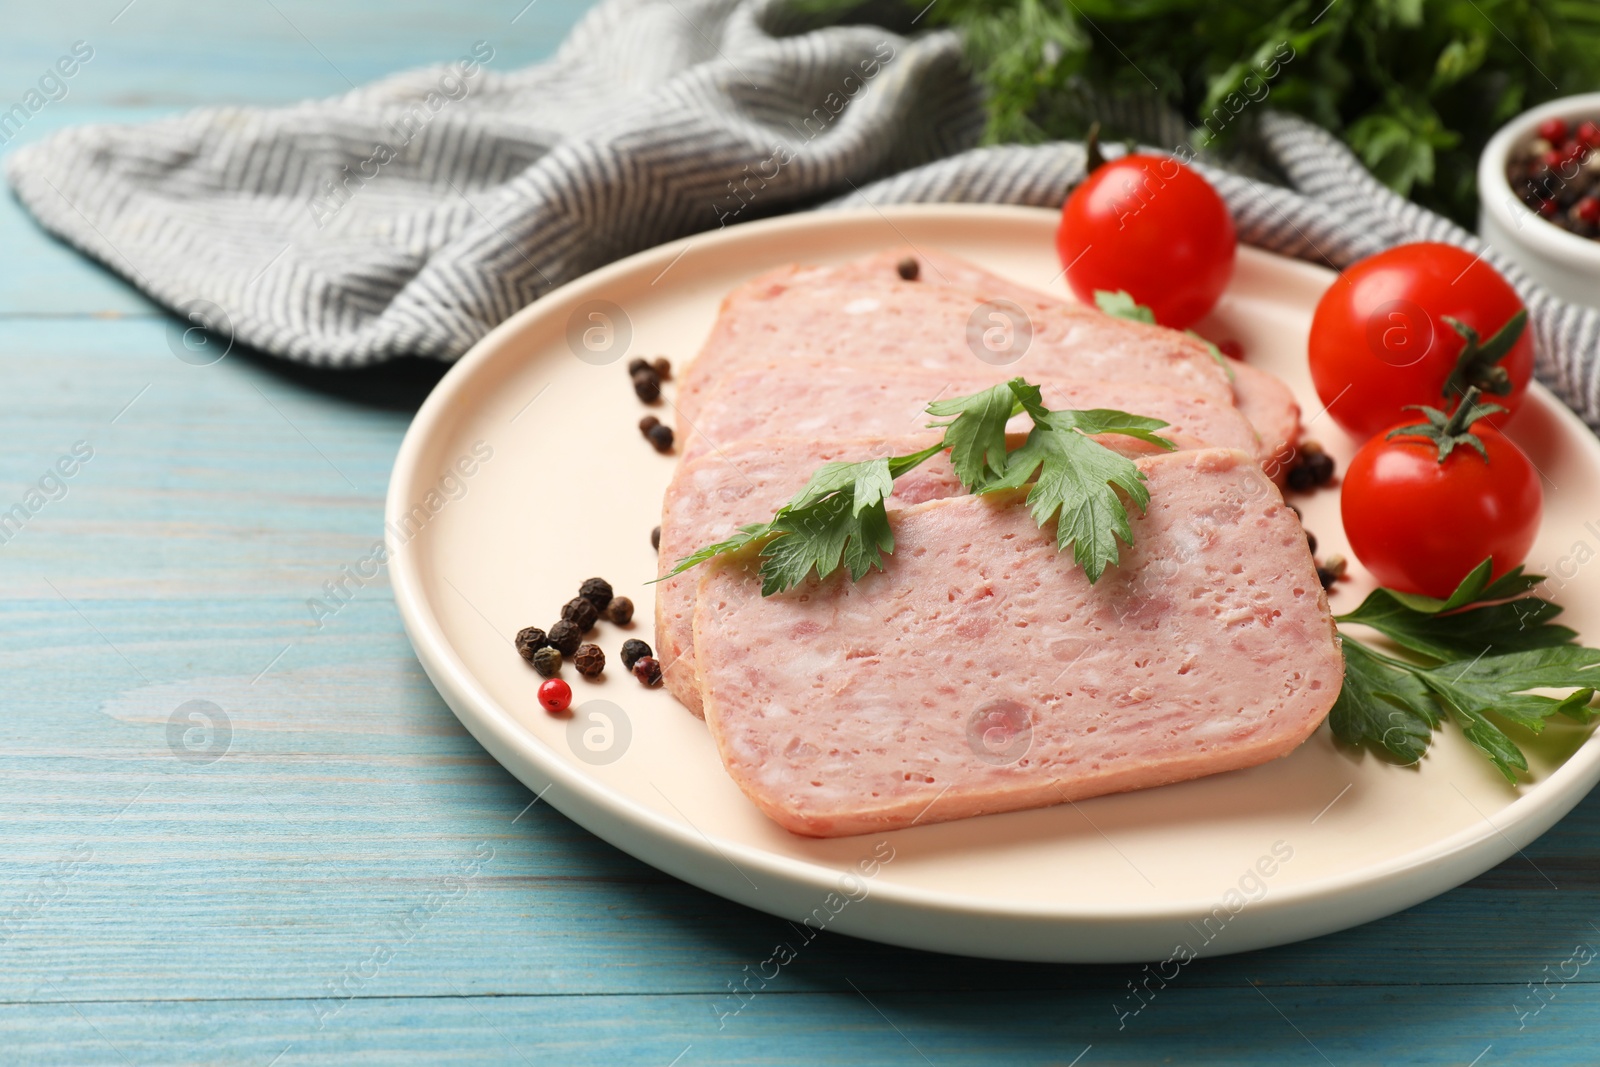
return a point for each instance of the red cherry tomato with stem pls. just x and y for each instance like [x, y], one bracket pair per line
[1150, 226]
[1420, 522]
[1381, 339]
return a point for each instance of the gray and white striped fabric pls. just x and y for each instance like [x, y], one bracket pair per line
[411, 216]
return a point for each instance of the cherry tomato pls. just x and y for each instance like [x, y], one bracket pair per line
[1152, 227]
[1420, 525]
[1379, 339]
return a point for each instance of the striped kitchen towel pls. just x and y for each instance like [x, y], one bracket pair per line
[411, 216]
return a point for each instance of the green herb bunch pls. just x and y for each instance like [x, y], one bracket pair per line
[1415, 87]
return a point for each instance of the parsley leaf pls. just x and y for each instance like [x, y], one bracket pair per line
[976, 436]
[840, 518]
[1122, 305]
[1076, 479]
[1382, 705]
[1485, 653]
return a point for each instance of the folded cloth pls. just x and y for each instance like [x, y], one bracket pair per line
[412, 216]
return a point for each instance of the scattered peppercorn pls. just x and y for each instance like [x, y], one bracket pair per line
[637, 364]
[620, 611]
[565, 637]
[647, 385]
[1311, 541]
[555, 695]
[530, 639]
[581, 613]
[655, 538]
[647, 670]
[661, 438]
[1326, 577]
[596, 591]
[663, 368]
[634, 650]
[547, 661]
[648, 423]
[590, 661]
[1315, 467]
[1331, 570]
[909, 268]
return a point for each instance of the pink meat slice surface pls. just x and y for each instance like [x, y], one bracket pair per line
[810, 399]
[1264, 400]
[1261, 396]
[894, 325]
[711, 497]
[982, 672]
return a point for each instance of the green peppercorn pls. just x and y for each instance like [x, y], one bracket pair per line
[547, 661]
[620, 611]
[565, 636]
[530, 640]
[590, 661]
[596, 591]
[581, 613]
[633, 650]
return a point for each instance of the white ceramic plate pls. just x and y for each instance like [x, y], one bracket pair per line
[1321, 840]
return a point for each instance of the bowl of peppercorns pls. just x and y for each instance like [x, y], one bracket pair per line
[1539, 195]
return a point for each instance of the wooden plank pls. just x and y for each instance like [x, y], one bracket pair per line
[1241, 1025]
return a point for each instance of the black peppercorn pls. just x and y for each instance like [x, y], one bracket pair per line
[620, 611]
[655, 538]
[530, 640]
[547, 661]
[647, 670]
[633, 650]
[637, 364]
[648, 423]
[1300, 479]
[909, 268]
[661, 438]
[565, 637]
[663, 368]
[1321, 467]
[647, 385]
[589, 660]
[581, 613]
[596, 591]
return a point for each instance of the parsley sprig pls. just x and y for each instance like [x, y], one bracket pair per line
[840, 518]
[1474, 657]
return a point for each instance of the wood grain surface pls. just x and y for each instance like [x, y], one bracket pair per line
[355, 880]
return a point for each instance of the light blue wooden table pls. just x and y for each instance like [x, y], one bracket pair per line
[286, 904]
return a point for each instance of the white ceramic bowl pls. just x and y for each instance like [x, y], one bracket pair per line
[1567, 264]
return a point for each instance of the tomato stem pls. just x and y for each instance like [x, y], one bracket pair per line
[1478, 365]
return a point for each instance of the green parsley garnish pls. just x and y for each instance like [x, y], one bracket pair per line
[1472, 656]
[841, 519]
